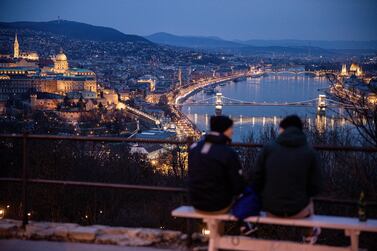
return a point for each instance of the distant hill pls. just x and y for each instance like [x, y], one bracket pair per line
[238, 47]
[192, 41]
[76, 30]
[329, 45]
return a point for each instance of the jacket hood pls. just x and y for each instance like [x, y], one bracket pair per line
[216, 138]
[292, 137]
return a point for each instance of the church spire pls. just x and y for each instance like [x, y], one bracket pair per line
[16, 47]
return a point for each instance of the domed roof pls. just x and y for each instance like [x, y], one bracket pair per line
[354, 67]
[61, 57]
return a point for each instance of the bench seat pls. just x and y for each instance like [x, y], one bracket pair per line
[351, 226]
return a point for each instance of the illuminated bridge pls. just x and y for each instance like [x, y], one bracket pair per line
[298, 72]
[220, 100]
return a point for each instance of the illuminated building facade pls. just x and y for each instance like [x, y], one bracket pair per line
[60, 63]
[354, 70]
[18, 77]
[33, 56]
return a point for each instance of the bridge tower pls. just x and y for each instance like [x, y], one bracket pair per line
[219, 104]
[321, 108]
[137, 125]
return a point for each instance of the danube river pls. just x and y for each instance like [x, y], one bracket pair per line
[279, 88]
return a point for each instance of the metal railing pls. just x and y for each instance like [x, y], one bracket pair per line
[25, 180]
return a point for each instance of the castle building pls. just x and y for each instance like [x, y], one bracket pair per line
[60, 63]
[18, 77]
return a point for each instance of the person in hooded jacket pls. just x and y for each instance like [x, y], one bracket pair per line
[287, 174]
[214, 169]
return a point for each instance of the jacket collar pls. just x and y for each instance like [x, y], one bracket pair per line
[216, 138]
[292, 137]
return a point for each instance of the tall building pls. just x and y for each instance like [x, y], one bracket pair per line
[16, 47]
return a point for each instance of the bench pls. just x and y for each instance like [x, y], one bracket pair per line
[351, 226]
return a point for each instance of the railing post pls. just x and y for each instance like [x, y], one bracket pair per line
[24, 180]
[189, 225]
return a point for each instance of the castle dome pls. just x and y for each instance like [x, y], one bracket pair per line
[61, 57]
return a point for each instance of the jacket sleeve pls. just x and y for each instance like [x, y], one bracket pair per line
[235, 174]
[315, 182]
[259, 173]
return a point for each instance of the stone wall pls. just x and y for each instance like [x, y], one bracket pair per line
[71, 232]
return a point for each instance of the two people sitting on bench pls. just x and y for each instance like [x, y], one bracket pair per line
[286, 176]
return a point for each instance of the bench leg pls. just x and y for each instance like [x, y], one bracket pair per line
[354, 236]
[213, 227]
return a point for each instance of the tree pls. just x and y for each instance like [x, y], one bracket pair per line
[360, 106]
[66, 101]
[163, 100]
[80, 103]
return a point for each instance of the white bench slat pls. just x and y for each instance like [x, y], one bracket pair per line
[330, 222]
[247, 243]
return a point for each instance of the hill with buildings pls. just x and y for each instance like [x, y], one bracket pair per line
[76, 30]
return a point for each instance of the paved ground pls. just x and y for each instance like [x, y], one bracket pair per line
[25, 245]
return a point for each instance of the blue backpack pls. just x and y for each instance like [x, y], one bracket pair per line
[249, 204]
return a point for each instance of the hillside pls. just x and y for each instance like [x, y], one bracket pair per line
[76, 30]
[237, 47]
[192, 41]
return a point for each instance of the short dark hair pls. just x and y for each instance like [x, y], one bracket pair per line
[291, 121]
[220, 123]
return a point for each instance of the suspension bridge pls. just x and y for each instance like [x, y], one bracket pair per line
[322, 102]
[300, 72]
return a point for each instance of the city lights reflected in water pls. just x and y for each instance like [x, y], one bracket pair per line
[276, 88]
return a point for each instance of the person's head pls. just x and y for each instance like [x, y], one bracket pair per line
[290, 121]
[222, 124]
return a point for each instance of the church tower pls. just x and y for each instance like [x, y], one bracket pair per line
[16, 47]
[344, 72]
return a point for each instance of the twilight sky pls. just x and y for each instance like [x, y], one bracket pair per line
[228, 19]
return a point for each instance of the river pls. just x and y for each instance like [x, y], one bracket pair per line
[278, 88]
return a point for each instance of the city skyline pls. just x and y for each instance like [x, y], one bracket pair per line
[231, 20]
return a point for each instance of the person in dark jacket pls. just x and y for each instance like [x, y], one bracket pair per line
[214, 169]
[287, 173]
